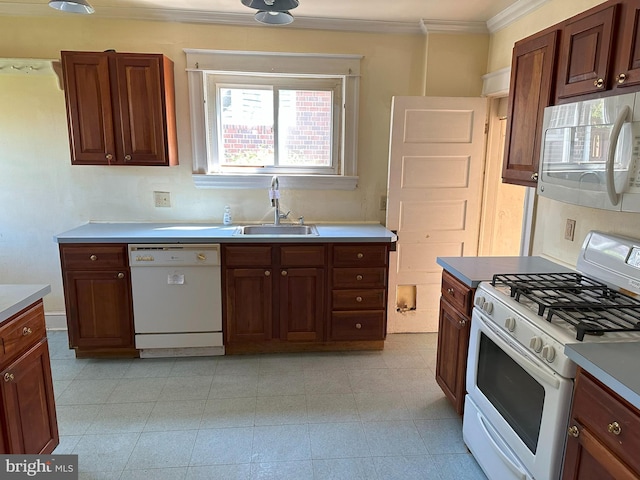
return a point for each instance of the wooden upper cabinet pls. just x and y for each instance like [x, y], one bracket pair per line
[627, 68]
[120, 108]
[532, 74]
[586, 52]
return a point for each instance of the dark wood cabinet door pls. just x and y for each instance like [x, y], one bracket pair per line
[249, 304]
[99, 308]
[302, 300]
[90, 113]
[532, 74]
[28, 406]
[141, 107]
[586, 53]
[627, 69]
[453, 345]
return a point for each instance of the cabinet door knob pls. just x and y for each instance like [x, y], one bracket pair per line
[267, 273]
[450, 291]
[358, 277]
[462, 323]
[127, 157]
[358, 326]
[573, 431]
[360, 255]
[120, 275]
[621, 78]
[284, 273]
[93, 258]
[534, 176]
[8, 377]
[26, 331]
[599, 83]
[358, 299]
[614, 428]
[108, 156]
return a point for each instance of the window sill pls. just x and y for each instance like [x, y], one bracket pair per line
[300, 182]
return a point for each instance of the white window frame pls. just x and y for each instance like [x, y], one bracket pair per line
[226, 62]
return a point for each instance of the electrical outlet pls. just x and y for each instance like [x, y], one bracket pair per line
[383, 202]
[570, 229]
[162, 199]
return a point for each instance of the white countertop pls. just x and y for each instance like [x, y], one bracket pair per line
[14, 298]
[473, 270]
[615, 364]
[216, 233]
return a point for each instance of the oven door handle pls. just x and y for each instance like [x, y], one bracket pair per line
[509, 462]
[522, 358]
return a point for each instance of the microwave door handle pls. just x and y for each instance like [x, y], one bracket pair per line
[614, 198]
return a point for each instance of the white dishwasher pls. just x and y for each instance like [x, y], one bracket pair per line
[177, 304]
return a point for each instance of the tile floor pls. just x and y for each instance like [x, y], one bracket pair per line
[361, 415]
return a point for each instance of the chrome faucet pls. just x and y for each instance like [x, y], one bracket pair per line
[274, 195]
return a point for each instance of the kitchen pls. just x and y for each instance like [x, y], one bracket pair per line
[398, 64]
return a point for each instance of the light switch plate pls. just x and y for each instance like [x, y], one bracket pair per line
[570, 229]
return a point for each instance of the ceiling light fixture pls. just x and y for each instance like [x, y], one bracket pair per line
[73, 6]
[272, 12]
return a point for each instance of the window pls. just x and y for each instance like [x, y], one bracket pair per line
[256, 114]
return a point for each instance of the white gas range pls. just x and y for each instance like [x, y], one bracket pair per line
[519, 381]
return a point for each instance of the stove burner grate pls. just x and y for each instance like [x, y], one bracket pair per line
[586, 304]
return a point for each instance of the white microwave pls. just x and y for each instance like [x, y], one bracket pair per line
[590, 153]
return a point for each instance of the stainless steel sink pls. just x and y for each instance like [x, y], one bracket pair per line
[277, 230]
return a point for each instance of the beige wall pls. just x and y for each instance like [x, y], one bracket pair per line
[42, 194]
[551, 216]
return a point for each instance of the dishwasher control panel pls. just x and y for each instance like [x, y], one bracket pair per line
[173, 255]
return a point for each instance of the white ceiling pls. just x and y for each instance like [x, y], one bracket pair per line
[382, 15]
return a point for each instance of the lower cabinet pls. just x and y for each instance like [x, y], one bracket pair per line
[276, 297]
[603, 438]
[97, 286]
[27, 406]
[453, 339]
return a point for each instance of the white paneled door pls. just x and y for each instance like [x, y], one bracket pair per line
[436, 165]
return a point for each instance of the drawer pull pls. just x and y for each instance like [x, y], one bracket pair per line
[358, 299]
[574, 432]
[8, 377]
[93, 258]
[358, 326]
[267, 273]
[359, 277]
[284, 273]
[360, 255]
[120, 275]
[26, 331]
[450, 291]
[615, 428]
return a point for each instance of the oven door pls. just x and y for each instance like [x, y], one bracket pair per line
[519, 409]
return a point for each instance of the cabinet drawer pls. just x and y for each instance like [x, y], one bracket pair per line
[360, 255]
[243, 256]
[23, 330]
[375, 277]
[89, 257]
[358, 325]
[600, 410]
[302, 256]
[457, 293]
[358, 299]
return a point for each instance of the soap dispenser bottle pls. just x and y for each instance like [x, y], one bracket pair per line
[226, 219]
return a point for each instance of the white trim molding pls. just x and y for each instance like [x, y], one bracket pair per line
[444, 26]
[512, 13]
[496, 84]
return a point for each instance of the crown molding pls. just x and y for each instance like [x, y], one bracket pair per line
[512, 13]
[446, 26]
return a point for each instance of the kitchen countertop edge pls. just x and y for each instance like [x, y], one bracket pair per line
[14, 298]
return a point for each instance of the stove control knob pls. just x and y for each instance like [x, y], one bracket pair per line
[488, 307]
[479, 301]
[536, 344]
[548, 353]
[510, 324]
